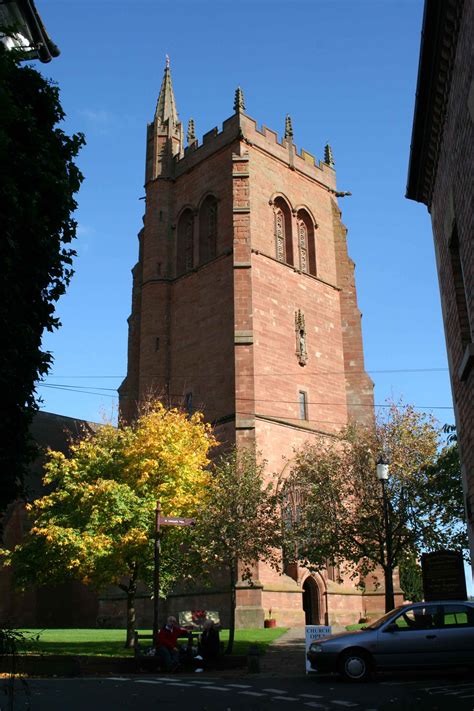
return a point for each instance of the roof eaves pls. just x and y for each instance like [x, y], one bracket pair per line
[440, 32]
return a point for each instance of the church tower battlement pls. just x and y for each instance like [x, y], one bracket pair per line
[244, 302]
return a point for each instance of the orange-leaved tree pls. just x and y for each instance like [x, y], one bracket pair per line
[97, 524]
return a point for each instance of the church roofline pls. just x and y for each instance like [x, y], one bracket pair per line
[439, 37]
[242, 127]
[238, 127]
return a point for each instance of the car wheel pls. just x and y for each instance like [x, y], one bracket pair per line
[355, 666]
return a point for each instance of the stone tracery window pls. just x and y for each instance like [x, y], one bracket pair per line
[306, 242]
[303, 245]
[185, 247]
[282, 231]
[280, 235]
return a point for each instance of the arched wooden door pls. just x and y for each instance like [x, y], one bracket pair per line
[311, 601]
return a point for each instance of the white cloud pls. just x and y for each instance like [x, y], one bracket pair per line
[84, 230]
[99, 117]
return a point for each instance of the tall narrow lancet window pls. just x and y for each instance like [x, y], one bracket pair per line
[306, 243]
[185, 255]
[283, 236]
[208, 229]
[303, 245]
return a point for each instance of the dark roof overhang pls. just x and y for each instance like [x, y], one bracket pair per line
[24, 13]
[439, 36]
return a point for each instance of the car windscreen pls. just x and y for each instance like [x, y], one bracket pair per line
[375, 625]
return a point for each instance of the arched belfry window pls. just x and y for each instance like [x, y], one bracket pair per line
[306, 242]
[185, 255]
[283, 237]
[208, 229]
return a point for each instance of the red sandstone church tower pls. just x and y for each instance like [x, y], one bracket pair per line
[244, 306]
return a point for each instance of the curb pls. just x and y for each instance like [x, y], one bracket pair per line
[69, 665]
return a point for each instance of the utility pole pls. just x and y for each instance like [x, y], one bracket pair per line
[162, 521]
[156, 577]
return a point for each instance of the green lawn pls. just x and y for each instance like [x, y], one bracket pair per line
[110, 643]
[359, 626]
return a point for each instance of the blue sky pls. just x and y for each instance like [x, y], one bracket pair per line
[345, 71]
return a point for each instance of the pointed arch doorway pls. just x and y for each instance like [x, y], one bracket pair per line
[311, 601]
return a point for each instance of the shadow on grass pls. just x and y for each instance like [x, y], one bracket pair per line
[111, 643]
[97, 649]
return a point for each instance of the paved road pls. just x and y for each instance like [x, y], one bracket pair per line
[249, 693]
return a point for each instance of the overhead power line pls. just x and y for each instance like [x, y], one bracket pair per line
[83, 390]
[75, 390]
[309, 372]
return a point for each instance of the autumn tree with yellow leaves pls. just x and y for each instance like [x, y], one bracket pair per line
[97, 524]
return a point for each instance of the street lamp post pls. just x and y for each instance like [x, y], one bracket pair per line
[382, 476]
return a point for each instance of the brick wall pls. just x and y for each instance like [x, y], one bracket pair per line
[226, 329]
[452, 207]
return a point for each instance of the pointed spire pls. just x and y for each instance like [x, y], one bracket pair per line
[239, 105]
[166, 106]
[288, 128]
[328, 156]
[191, 135]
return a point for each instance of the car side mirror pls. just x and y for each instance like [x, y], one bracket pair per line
[392, 627]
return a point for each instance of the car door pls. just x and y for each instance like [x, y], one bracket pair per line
[410, 638]
[456, 633]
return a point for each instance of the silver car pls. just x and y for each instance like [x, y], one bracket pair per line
[422, 634]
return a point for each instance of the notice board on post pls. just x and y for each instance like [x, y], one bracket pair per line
[312, 634]
[443, 576]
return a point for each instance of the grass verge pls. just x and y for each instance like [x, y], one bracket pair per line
[110, 643]
[356, 627]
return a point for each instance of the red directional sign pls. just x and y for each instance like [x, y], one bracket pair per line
[175, 521]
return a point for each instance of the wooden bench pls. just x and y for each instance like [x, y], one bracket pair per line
[148, 662]
[187, 618]
[145, 661]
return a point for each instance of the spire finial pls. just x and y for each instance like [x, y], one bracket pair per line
[328, 156]
[288, 127]
[239, 100]
[191, 135]
[166, 106]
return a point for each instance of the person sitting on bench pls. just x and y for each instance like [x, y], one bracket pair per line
[209, 646]
[166, 644]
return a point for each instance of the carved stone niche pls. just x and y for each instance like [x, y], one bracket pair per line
[300, 332]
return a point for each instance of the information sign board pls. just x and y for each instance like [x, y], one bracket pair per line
[443, 576]
[175, 521]
[312, 634]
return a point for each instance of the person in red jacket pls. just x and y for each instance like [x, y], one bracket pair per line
[166, 644]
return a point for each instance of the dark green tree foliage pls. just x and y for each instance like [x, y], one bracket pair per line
[238, 524]
[341, 512]
[38, 180]
[411, 580]
[445, 491]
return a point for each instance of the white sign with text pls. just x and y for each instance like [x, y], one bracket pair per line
[312, 634]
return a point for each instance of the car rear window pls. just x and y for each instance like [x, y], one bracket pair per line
[458, 616]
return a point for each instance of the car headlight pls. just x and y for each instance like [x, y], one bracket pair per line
[315, 647]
